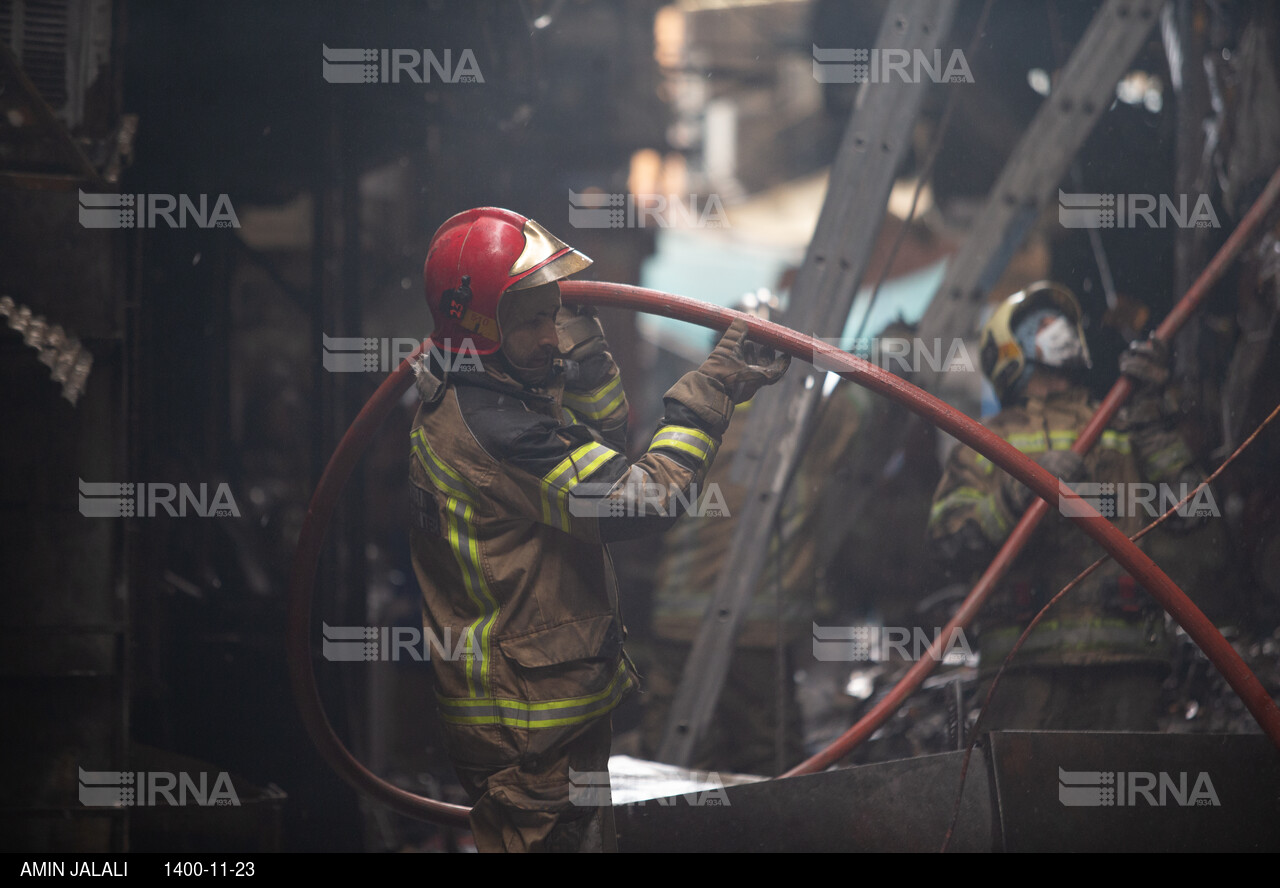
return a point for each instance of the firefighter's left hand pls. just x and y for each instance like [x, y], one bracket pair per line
[742, 366]
[1066, 465]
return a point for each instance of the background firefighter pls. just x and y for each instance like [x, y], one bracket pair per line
[519, 479]
[1097, 661]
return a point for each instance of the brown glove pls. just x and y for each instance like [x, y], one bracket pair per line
[1146, 362]
[1065, 464]
[579, 332]
[583, 349]
[741, 366]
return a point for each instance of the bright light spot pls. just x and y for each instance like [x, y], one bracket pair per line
[1141, 88]
[861, 685]
[1038, 79]
[1129, 90]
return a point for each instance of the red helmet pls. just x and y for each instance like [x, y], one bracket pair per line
[476, 257]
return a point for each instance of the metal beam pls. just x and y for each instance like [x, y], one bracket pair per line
[878, 137]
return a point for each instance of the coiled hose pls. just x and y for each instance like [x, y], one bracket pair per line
[955, 423]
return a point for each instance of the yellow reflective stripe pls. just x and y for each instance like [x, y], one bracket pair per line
[460, 532]
[442, 475]
[989, 516]
[557, 483]
[611, 406]
[958, 497]
[1113, 440]
[1028, 443]
[993, 521]
[595, 462]
[459, 517]
[1033, 442]
[524, 714]
[599, 403]
[695, 442]
[1160, 464]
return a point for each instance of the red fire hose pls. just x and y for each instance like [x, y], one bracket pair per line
[1022, 532]
[1002, 454]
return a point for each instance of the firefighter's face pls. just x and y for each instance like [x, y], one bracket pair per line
[528, 320]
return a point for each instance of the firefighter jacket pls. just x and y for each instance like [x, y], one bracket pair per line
[694, 552]
[1108, 618]
[516, 489]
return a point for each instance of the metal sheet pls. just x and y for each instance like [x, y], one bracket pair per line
[1060, 791]
[892, 806]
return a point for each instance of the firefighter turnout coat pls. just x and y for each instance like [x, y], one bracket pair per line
[516, 489]
[1108, 619]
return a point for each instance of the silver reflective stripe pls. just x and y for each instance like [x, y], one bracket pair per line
[599, 403]
[685, 439]
[557, 484]
[444, 476]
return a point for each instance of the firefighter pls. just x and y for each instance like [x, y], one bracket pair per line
[518, 480]
[1098, 659]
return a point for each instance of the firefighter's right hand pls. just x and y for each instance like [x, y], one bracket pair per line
[1146, 361]
[741, 366]
[1066, 465]
[580, 334]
